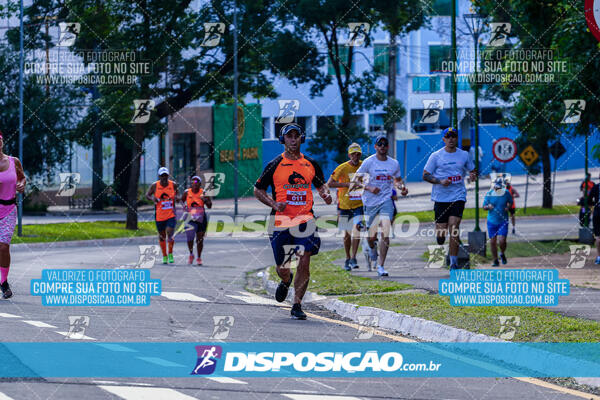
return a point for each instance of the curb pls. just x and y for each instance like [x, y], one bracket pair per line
[406, 325]
[81, 243]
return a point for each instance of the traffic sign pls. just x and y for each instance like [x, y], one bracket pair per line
[529, 155]
[557, 150]
[592, 17]
[504, 149]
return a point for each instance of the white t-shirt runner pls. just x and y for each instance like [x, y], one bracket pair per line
[381, 175]
[454, 166]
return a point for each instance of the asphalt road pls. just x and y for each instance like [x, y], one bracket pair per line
[192, 296]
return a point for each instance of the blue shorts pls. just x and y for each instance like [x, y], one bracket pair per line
[195, 227]
[497, 229]
[356, 215]
[289, 237]
[162, 225]
[385, 209]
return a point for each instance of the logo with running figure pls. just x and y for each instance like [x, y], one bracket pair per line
[214, 181]
[207, 359]
[68, 33]
[223, 324]
[287, 111]
[212, 33]
[358, 181]
[508, 326]
[573, 110]
[148, 256]
[68, 183]
[579, 254]
[431, 111]
[499, 32]
[292, 253]
[359, 32]
[141, 111]
[367, 326]
[77, 326]
[296, 179]
[437, 256]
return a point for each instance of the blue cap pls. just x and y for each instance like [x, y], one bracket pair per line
[378, 138]
[449, 130]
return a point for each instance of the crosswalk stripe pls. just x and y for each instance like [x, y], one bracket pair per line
[252, 298]
[40, 324]
[7, 315]
[5, 397]
[224, 379]
[146, 393]
[183, 297]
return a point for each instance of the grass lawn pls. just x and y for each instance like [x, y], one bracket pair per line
[81, 231]
[537, 325]
[330, 279]
[533, 248]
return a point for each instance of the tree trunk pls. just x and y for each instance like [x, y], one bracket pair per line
[132, 191]
[122, 169]
[391, 92]
[547, 176]
[97, 173]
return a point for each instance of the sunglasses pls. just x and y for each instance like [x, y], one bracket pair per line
[382, 143]
[451, 135]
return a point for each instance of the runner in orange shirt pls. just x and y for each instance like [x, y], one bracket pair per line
[164, 195]
[194, 201]
[290, 176]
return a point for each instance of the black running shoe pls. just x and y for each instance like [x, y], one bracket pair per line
[503, 258]
[6, 292]
[282, 289]
[297, 312]
[495, 263]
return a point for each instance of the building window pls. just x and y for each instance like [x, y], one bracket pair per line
[205, 158]
[343, 54]
[439, 58]
[381, 55]
[490, 115]
[426, 84]
[463, 84]
[266, 128]
[376, 122]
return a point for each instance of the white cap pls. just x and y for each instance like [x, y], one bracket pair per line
[163, 170]
[196, 177]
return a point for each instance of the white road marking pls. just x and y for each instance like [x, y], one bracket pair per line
[252, 298]
[39, 324]
[78, 337]
[183, 297]
[224, 379]
[145, 393]
[318, 397]
[5, 397]
[122, 383]
[317, 382]
[7, 315]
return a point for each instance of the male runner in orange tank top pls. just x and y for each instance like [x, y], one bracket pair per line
[164, 195]
[194, 201]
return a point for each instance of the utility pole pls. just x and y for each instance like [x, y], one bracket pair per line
[20, 195]
[454, 65]
[391, 92]
[235, 112]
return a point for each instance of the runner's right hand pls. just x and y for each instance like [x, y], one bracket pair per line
[445, 182]
[279, 206]
[374, 189]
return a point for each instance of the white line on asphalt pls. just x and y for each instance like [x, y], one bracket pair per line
[145, 393]
[4, 397]
[7, 315]
[251, 298]
[183, 297]
[318, 397]
[78, 337]
[224, 379]
[160, 361]
[39, 324]
[317, 382]
[122, 383]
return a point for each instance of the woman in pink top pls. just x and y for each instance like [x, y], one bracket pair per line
[12, 180]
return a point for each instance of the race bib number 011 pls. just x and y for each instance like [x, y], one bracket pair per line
[455, 179]
[296, 197]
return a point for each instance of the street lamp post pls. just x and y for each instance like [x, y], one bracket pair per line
[474, 23]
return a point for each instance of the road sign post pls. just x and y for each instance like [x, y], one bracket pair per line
[528, 156]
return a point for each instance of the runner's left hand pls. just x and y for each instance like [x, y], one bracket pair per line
[404, 191]
[20, 187]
